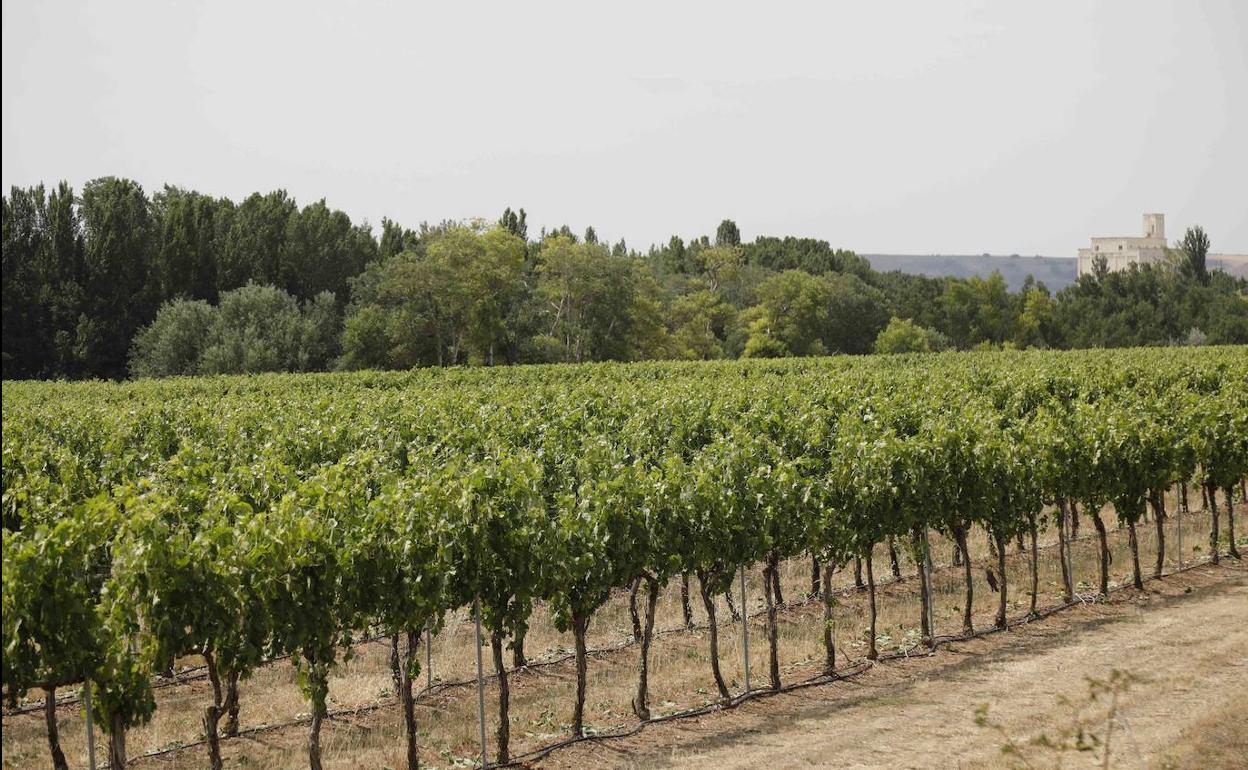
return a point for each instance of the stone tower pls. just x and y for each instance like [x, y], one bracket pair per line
[1155, 226]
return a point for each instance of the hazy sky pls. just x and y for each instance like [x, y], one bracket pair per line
[916, 127]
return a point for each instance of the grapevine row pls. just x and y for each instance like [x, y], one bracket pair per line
[241, 519]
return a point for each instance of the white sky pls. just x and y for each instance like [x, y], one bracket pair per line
[914, 127]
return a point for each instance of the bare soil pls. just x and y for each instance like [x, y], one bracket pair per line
[1185, 637]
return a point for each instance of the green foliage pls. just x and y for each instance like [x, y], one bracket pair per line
[395, 239]
[727, 234]
[804, 315]
[978, 310]
[244, 517]
[174, 343]
[1037, 323]
[515, 223]
[808, 254]
[1194, 249]
[258, 329]
[595, 305]
[700, 324]
[497, 532]
[192, 232]
[1151, 306]
[255, 329]
[902, 336]
[85, 276]
[792, 318]
[256, 241]
[42, 289]
[366, 342]
[321, 251]
[456, 303]
[52, 578]
[118, 234]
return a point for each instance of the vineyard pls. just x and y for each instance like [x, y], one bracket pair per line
[162, 533]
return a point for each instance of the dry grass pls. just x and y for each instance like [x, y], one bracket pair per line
[1218, 740]
[542, 696]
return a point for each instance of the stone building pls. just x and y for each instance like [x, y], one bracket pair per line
[1121, 252]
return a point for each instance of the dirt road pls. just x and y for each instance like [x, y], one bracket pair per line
[1186, 636]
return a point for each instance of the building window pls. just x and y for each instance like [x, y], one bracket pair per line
[1120, 247]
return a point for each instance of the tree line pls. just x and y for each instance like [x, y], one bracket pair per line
[110, 282]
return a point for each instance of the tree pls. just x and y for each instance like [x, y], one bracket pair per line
[406, 290]
[515, 223]
[322, 328]
[395, 239]
[698, 325]
[814, 256]
[366, 342]
[671, 258]
[455, 303]
[1195, 250]
[174, 343]
[25, 322]
[256, 241]
[121, 291]
[493, 280]
[804, 315]
[62, 291]
[902, 336]
[254, 329]
[1138, 306]
[719, 264]
[978, 310]
[190, 246]
[791, 317]
[1037, 324]
[596, 306]
[856, 313]
[727, 234]
[321, 251]
[261, 329]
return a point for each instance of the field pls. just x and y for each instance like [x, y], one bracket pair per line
[141, 435]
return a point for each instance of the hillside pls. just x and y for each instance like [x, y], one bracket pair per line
[1055, 272]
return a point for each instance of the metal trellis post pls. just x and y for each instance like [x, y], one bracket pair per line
[86, 697]
[927, 579]
[476, 611]
[1179, 520]
[745, 631]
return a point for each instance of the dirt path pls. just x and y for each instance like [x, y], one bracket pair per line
[1187, 636]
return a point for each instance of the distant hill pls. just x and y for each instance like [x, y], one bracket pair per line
[1055, 272]
[1235, 264]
